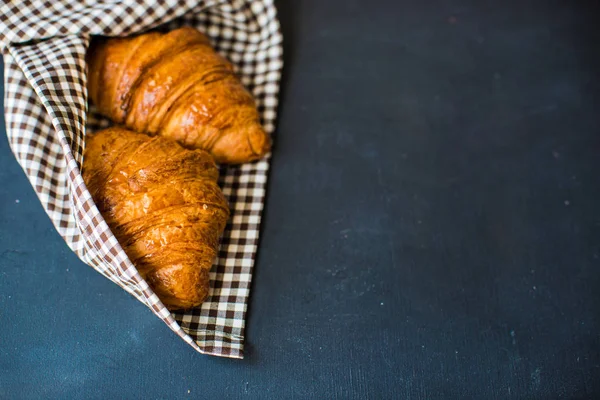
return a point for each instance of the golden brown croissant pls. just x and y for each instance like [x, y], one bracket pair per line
[164, 206]
[176, 85]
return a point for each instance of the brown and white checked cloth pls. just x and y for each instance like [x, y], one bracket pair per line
[44, 43]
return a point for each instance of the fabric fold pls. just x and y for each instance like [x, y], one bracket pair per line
[47, 118]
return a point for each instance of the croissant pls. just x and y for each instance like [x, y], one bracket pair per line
[164, 206]
[174, 84]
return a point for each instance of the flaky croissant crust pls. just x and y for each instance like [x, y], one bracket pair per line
[174, 84]
[164, 206]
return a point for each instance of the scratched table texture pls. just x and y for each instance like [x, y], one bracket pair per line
[432, 226]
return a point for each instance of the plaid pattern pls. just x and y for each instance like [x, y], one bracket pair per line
[44, 44]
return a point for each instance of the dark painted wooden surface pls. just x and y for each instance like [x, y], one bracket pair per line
[432, 227]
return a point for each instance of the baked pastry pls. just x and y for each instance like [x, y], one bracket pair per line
[176, 85]
[164, 206]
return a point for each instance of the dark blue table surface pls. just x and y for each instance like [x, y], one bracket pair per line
[432, 227]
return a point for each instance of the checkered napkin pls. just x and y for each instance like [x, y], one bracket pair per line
[44, 44]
